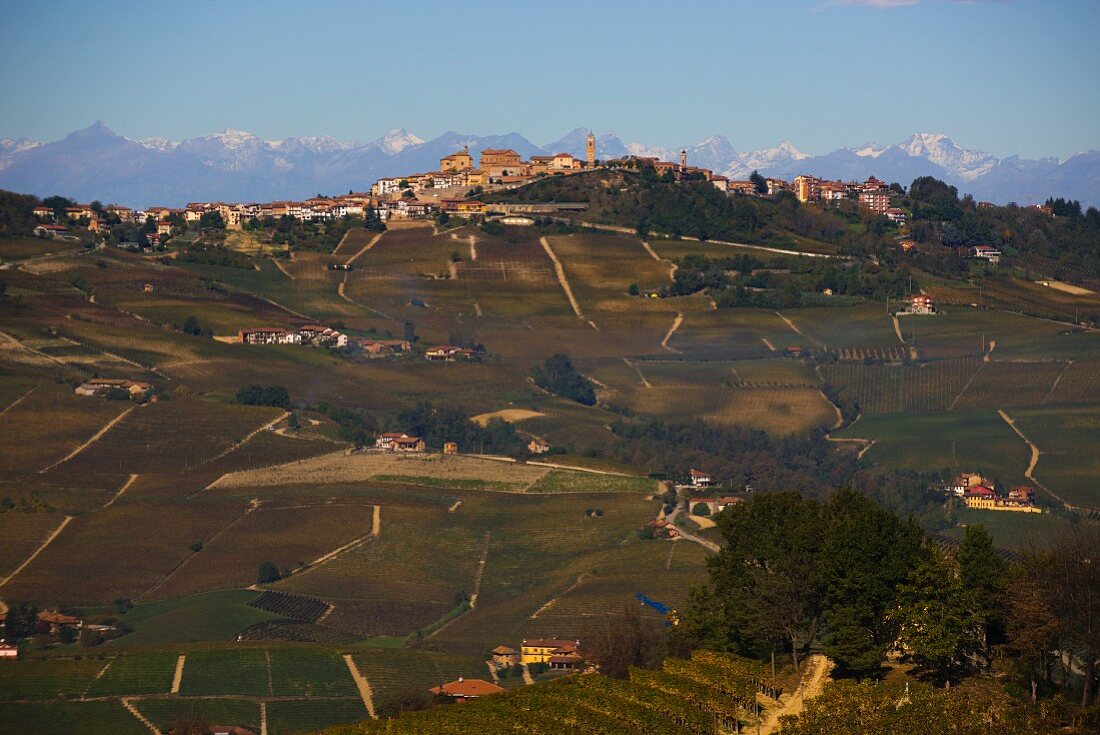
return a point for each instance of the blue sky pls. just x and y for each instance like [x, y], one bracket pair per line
[1009, 76]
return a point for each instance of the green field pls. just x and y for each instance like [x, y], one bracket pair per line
[975, 440]
[65, 718]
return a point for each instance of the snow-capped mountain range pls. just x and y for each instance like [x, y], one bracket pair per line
[234, 165]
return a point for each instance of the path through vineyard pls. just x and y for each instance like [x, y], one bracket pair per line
[812, 682]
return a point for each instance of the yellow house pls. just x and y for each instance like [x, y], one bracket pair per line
[540, 650]
[475, 177]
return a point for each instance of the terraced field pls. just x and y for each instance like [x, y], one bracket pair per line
[150, 440]
[48, 426]
[288, 536]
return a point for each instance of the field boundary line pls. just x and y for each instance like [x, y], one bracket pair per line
[454, 507]
[97, 677]
[373, 241]
[768, 344]
[781, 251]
[263, 718]
[42, 547]
[480, 569]
[125, 486]
[559, 269]
[1057, 380]
[636, 369]
[590, 470]
[375, 532]
[19, 400]
[672, 267]
[253, 505]
[362, 685]
[249, 435]
[792, 325]
[177, 677]
[340, 244]
[270, 683]
[981, 366]
[19, 344]
[281, 267]
[553, 600]
[1033, 463]
[671, 331]
[128, 703]
[95, 437]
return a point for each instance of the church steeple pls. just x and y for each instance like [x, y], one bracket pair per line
[590, 150]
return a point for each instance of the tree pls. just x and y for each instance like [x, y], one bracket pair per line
[558, 376]
[211, 220]
[759, 182]
[763, 588]
[1062, 582]
[700, 509]
[616, 642]
[258, 395]
[268, 573]
[633, 289]
[936, 625]
[191, 325]
[867, 553]
[984, 574]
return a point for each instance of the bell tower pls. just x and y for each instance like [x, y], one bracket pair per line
[590, 150]
[683, 159]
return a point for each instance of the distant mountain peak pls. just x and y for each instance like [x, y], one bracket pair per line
[398, 140]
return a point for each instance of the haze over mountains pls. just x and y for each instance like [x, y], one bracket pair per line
[96, 163]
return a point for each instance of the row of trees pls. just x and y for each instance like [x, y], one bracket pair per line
[852, 577]
[558, 376]
[855, 580]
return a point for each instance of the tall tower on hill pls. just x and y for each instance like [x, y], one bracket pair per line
[590, 150]
[683, 159]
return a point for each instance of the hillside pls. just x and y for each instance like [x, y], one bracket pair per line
[174, 506]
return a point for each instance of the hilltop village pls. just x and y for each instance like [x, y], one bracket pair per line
[454, 189]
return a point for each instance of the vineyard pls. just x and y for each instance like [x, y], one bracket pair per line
[926, 388]
[684, 698]
[307, 609]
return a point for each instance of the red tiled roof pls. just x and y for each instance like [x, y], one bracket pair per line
[467, 688]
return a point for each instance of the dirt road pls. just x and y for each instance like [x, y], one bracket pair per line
[814, 676]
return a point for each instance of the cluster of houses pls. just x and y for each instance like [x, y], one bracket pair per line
[551, 653]
[310, 334]
[978, 492]
[108, 387]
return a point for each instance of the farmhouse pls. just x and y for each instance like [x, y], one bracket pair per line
[1019, 500]
[102, 386]
[448, 353]
[269, 336]
[699, 478]
[385, 441]
[51, 621]
[715, 505]
[408, 444]
[395, 442]
[383, 347]
[538, 446]
[50, 231]
[450, 447]
[540, 650]
[986, 252]
[962, 483]
[661, 530]
[464, 689]
[504, 657]
[920, 304]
